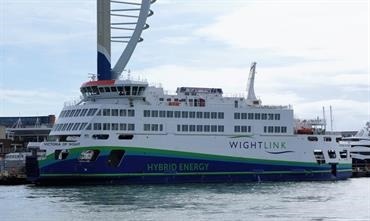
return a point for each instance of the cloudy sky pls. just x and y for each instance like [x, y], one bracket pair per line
[309, 53]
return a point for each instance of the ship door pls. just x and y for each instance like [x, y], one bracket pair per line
[334, 169]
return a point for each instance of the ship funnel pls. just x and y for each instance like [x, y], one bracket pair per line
[251, 97]
[104, 45]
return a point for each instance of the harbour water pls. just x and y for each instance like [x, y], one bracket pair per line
[340, 200]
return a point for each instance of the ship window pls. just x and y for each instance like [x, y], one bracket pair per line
[131, 113]
[115, 158]
[76, 126]
[146, 113]
[61, 154]
[70, 126]
[91, 112]
[244, 129]
[106, 126]
[206, 115]
[113, 89]
[161, 127]
[332, 154]
[319, 156]
[277, 129]
[77, 113]
[192, 128]
[131, 127]
[72, 113]
[206, 128]
[237, 129]
[83, 112]
[250, 116]
[106, 112]
[141, 90]
[170, 114]
[270, 129]
[154, 113]
[270, 116]
[107, 89]
[101, 90]
[185, 128]
[236, 115]
[135, 90]
[100, 136]
[177, 114]
[220, 115]
[277, 116]
[243, 115]
[146, 127]
[114, 112]
[162, 114]
[99, 113]
[199, 114]
[97, 126]
[184, 114]
[154, 127]
[123, 126]
[114, 126]
[264, 116]
[199, 128]
[192, 114]
[128, 90]
[122, 113]
[168, 99]
[327, 139]
[221, 128]
[236, 104]
[125, 136]
[213, 128]
[283, 129]
[95, 90]
[338, 139]
[257, 116]
[88, 156]
[213, 115]
[83, 125]
[310, 138]
[343, 154]
[265, 129]
[88, 127]
[178, 127]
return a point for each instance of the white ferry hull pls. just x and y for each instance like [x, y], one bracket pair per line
[152, 159]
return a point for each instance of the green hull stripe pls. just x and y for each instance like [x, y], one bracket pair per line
[183, 174]
[137, 151]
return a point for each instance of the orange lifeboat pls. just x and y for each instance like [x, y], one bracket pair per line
[304, 130]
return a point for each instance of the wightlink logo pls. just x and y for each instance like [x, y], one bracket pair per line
[257, 145]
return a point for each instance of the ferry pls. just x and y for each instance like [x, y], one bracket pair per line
[126, 131]
[359, 145]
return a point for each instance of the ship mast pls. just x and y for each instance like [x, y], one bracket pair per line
[251, 96]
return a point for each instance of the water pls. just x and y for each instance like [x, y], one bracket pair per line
[341, 200]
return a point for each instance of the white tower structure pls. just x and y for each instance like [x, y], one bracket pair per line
[251, 96]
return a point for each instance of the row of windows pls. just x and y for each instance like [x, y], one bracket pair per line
[127, 90]
[117, 112]
[200, 128]
[78, 112]
[256, 116]
[153, 127]
[184, 114]
[274, 129]
[111, 126]
[243, 129]
[70, 127]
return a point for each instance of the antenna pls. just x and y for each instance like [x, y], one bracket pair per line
[324, 116]
[331, 118]
[251, 97]
[110, 15]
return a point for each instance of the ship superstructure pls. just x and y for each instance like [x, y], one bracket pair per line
[127, 131]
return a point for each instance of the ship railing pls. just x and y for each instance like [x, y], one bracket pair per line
[74, 102]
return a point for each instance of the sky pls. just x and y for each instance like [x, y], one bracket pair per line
[309, 54]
